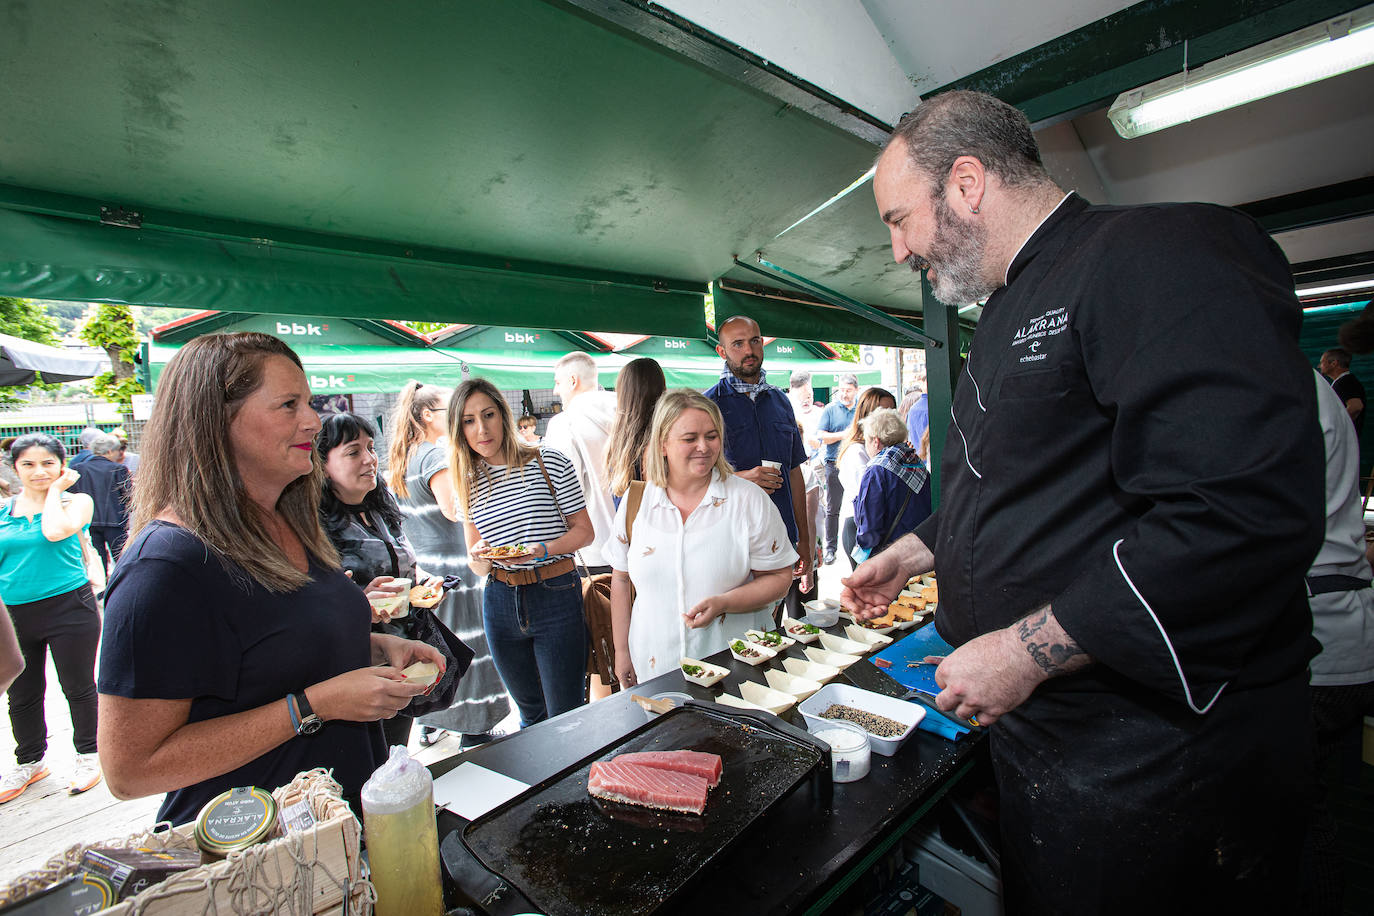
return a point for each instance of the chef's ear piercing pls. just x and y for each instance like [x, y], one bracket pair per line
[972, 208]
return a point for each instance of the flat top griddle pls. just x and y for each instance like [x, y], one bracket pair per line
[561, 848]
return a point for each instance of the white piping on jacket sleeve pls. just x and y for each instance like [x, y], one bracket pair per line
[977, 392]
[1187, 692]
[965, 438]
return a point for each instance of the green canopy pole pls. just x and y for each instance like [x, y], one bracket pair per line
[943, 365]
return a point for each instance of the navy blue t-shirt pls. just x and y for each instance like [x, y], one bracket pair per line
[179, 625]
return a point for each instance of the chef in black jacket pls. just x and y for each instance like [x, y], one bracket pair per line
[1132, 492]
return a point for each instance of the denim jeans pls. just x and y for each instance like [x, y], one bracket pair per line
[538, 639]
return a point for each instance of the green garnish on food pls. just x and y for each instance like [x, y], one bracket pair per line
[693, 670]
[806, 628]
[739, 646]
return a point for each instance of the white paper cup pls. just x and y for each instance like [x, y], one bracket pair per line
[775, 465]
[402, 609]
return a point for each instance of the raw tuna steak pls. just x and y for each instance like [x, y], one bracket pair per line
[653, 788]
[694, 763]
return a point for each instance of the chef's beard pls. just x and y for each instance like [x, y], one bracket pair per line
[956, 253]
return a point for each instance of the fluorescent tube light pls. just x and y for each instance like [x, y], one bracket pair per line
[1303, 57]
[1335, 289]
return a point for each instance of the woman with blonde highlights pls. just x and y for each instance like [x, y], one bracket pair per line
[705, 544]
[511, 494]
[418, 472]
[235, 650]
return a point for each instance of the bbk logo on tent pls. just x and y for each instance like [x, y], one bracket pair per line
[295, 329]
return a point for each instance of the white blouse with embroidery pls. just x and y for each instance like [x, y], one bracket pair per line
[675, 565]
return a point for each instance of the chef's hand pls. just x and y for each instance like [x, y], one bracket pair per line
[990, 676]
[707, 611]
[880, 579]
[625, 671]
[768, 478]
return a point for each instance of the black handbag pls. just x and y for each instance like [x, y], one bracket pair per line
[421, 624]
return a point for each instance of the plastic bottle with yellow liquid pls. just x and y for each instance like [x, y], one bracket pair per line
[402, 838]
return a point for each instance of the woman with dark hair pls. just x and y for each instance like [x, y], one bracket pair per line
[852, 459]
[418, 472]
[637, 389]
[363, 522]
[43, 581]
[512, 494]
[235, 650]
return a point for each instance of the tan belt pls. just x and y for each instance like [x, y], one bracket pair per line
[531, 575]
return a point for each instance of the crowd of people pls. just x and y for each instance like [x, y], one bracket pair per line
[1130, 544]
[287, 533]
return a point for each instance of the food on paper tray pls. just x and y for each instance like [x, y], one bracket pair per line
[750, 653]
[426, 595]
[800, 630]
[508, 552]
[668, 780]
[702, 673]
[389, 607]
[774, 641]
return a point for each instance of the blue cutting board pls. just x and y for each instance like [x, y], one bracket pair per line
[920, 643]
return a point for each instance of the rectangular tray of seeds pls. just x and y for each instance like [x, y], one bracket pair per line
[887, 720]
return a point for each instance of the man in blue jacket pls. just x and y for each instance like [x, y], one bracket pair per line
[762, 440]
[108, 483]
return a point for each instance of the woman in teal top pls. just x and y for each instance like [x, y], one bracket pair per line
[43, 582]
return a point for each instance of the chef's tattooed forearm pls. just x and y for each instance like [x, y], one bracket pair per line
[1045, 640]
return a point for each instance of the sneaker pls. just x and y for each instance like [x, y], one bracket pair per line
[429, 735]
[469, 740]
[20, 778]
[85, 774]
[829, 558]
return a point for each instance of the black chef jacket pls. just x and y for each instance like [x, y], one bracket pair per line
[1134, 441]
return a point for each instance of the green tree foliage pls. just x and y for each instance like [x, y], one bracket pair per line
[26, 319]
[111, 327]
[426, 327]
[847, 351]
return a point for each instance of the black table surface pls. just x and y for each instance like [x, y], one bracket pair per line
[797, 858]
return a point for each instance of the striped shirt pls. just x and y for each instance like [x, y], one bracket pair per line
[517, 508]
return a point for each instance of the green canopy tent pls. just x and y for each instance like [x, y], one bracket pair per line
[361, 356]
[519, 357]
